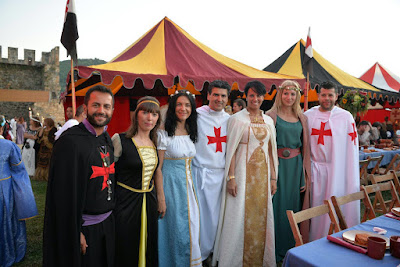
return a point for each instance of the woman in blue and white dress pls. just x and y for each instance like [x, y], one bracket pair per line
[179, 228]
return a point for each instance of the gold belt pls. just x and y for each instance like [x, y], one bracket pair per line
[136, 190]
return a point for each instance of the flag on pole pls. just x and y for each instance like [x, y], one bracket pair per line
[70, 31]
[308, 55]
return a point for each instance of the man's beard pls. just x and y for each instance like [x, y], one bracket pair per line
[92, 120]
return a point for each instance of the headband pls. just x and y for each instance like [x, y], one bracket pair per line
[289, 87]
[186, 92]
[35, 120]
[148, 101]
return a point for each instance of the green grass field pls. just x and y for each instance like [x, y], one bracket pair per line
[34, 228]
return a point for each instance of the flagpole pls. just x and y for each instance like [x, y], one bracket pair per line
[73, 88]
[306, 92]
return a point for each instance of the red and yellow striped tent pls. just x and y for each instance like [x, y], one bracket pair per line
[164, 59]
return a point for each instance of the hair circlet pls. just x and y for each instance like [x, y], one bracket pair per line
[290, 88]
[148, 101]
[35, 120]
[187, 92]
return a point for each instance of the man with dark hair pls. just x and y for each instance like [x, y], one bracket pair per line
[364, 133]
[334, 158]
[238, 105]
[79, 224]
[209, 162]
[79, 116]
[69, 113]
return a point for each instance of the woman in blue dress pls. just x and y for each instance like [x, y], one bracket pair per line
[179, 229]
[17, 203]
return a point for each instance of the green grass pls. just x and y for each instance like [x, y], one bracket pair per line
[34, 228]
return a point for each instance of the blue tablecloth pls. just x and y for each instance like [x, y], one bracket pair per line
[322, 252]
[387, 156]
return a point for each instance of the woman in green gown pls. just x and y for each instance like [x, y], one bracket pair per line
[294, 164]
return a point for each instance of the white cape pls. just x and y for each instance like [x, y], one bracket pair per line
[334, 164]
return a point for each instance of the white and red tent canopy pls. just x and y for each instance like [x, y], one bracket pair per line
[382, 78]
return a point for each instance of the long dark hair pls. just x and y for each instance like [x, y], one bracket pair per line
[149, 104]
[171, 119]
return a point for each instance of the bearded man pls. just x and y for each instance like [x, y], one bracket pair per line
[334, 158]
[79, 224]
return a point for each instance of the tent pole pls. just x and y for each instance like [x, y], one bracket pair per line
[73, 88]
[306, 92]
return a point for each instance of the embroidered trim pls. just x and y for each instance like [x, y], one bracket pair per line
[17, 163]
[5, 178]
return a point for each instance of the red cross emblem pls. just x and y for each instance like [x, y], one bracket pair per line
[353, 134]
[218, 139]
[321, 133]
[103, 171]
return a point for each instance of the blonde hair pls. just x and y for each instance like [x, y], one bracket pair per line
[291, 85]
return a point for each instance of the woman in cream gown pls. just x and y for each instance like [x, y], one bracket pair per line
[245, 234]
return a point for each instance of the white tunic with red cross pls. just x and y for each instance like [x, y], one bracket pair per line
[334, 164]
[208, 172]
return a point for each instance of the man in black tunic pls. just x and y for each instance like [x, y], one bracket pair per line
[79, 224]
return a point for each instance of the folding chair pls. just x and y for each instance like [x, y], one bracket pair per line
[339, 201]
[298, 217]
[364, 171]
[394, 165]
[378, 160]
[379, 203]
[391, 176]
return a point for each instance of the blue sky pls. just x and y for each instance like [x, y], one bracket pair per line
[351, 34]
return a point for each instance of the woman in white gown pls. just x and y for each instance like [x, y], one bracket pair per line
[28, 152]
[245, 235]
[179, 229]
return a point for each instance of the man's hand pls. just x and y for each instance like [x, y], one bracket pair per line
[83, 244]
[274, 187]
[232, 187]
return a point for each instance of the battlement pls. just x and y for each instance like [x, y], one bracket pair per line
[48, 58]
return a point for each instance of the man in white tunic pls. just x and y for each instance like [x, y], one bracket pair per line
[79, 117]
[334, 158]
[209, 162]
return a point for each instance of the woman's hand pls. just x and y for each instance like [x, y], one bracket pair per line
[162, 207]
[274, 186]
[232, 187]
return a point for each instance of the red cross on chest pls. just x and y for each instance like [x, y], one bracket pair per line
[218, 139]
[321, 133]
[353, 134]
[103, 171]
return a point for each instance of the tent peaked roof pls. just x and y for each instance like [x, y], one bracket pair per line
[380, 77]
[291, 63]
[166, 51]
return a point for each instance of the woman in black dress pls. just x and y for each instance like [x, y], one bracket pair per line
[137, 207]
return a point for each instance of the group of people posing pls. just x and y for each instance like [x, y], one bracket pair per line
[203, 187]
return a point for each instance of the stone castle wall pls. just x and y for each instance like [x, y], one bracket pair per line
[20, 76]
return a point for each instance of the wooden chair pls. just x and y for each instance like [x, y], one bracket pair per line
[364, 171]
[391, 176]
[339, 201]
[378, 160]
[394, 165]
[298, 217]
[379, 203]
